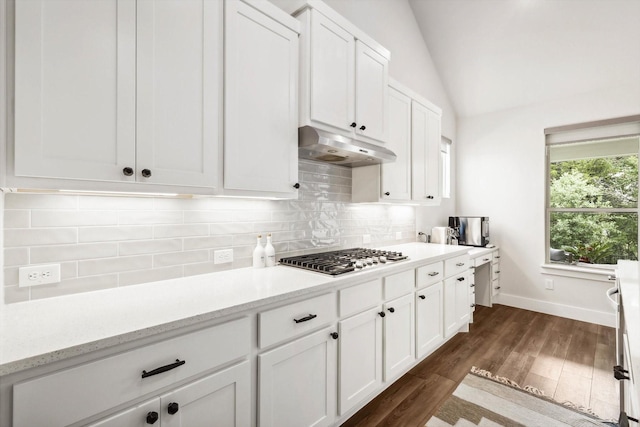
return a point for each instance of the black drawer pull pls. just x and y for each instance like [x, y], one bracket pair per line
[164, 368]
[305, 319]
[460, 264]
[334, 335]
[382, 314]
[460, 279]
[485, 259]
[619, 375]
[391, 310]
[421, 296]
[433, 273]
[620, 368]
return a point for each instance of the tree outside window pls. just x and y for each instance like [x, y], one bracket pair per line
[593, 201]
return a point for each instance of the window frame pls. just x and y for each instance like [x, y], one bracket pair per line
[583, 132]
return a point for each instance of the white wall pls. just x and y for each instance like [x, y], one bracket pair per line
[501, 167]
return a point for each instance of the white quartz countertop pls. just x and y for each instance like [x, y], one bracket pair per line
[38, 332]
[629, 274]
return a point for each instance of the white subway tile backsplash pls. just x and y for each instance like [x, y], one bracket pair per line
[73, 252]
[149, 217]
[14, 237]
[150, 247]
[61, 218]
[164, 231]
[109, 241]
[95, 267]
[180, 258]
[112, 234]
[17, 218]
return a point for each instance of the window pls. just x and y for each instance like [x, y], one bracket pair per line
[445, 167]
[592, 197]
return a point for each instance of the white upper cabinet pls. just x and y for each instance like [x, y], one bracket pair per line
[425, 144]
[75, 65]
[119, 90]
[178, 91]
[261, 100]
[396, 176]
[344, 76]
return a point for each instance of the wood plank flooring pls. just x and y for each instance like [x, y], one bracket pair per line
[567, 359]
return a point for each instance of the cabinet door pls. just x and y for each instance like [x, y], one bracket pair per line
[140, 415]
[179, 82]
[297, 383]
[463, 306]
[451, 325]
[399, 338]
[425, 136]
[429, 319]
[396, 176]
[75, 88]
[222, 399]
[372, 93]
[261, 102]
[332, 74]
[360, 357]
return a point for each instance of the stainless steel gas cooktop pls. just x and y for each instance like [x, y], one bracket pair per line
[343, 261]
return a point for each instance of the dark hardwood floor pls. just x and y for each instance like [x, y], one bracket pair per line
[567, 359]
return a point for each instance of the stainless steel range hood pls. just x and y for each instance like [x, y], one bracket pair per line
[316, 144]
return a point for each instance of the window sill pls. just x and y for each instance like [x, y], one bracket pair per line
[598, 273]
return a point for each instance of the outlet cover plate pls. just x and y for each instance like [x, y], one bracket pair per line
[38, 275]
[223, 256]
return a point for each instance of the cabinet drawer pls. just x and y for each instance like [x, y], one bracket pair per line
[496, 256]
[495, 287]
[495, 271]
[295, 319]
[399, 284]
[360, 297]
[457, 265]
[74, 394]
[429, 274]
[484, 259]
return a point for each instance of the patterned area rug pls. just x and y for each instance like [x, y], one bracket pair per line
[483, 399]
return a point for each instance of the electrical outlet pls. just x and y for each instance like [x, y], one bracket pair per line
[223, 256]
[548, 284]
[38, 275]
[398, 235]
[366, 239]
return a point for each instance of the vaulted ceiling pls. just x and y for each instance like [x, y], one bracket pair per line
[499, 54]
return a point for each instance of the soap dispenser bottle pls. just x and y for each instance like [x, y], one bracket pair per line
[270, 252]
[258, 254]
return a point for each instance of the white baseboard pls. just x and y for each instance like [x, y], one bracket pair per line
[568, 311]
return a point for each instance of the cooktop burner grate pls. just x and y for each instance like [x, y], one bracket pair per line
[343, 261]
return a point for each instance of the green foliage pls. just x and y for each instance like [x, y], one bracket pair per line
[595, 183]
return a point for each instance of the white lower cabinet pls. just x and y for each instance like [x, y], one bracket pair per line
[222, 399]
[429, 319]
[360, 357]
[399, 338]
[297, 382]
[456, 303]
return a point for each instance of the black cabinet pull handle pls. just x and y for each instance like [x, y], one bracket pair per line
[497, 256]
[173, 408]
[619, 375]
[152, 417]
[421, 296]
[387, 194]
[429, 197]
[334, 335]
[460, 264]
[146, 173]
[296, 185]
[460, 279]
[353, 124]
[306, 319]
[391, 310]
[363, 127]
[382, 314]
[127, 171]
[164, 368]
[497, 287]
[620, 368]
[433, 273]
